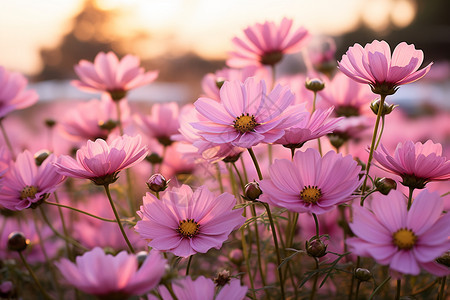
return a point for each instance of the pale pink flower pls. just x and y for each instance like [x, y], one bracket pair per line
[312, 126]
[161, 124]
[203, 288]
[321, 53]
[185, 222]
[246, 115]
[92, 120]
[108, 74]
[12, 92]
[311, 183]
[26, 184]
[265, 44]
[101, 162]
[417, 164]
[374, 65]
[404, 240]
[104, 275]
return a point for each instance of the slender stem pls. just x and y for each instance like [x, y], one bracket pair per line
[255, 162]
[63, 223]
[316, 221]
[7, 140]
[441, 295]
[316, 277]
[33, 275]
[270, 153]
[352, 282]
[80, 211]
[372, 146]
[244, 170]
[292, 153]
[119, 117]
[106, 186]
[170, 289]
[399, 289]
[381, 132]
[274, 78]
[219, 178]
[239, 175]
[410, 200]
[357, 289]
[189, 265]
[379, 287]
[319, 145]
[247, 262]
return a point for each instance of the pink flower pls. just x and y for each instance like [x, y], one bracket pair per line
[108, 74]
[101, 162]
[311, 183]
[404, 240]
[265, 44]
[246, 116]
[417, 164]
[12, 92]
[104, 275]
[185, 222]
[311, 127]
[374, 65]
[204, 289]
[27, 185]
[162, 123]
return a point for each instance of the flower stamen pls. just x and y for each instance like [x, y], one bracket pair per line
[245, 123]
[188, 228]
[28, 191]
[311, 194]
[404, 239]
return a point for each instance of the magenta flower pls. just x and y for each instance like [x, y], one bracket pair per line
[311, 127]
[246, 116]
[265, 44]
[204, 289]
[112, 277]
[417, 164]
[27, 185]
[374, 65]
[12, 92]
[108, 74]
[185, 222]
[101, 162]
[311, 183]
[404, 240]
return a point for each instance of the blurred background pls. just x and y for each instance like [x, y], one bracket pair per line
[185, 39]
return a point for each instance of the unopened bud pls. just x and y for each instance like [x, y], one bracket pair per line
[219, 83]
[222, 278]
[314, 84]
[157, 183]
[236, 256]
[17, 241]
[141, 256]
[444, 259]
[385, 185]
[316, 248]
[252, 191]
[387, 109]
[40, 156]
[363, 274]
[154, 158]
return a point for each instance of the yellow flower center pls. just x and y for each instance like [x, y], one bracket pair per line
[404, 239]
[311, 194]
[28, 191]
[188, 228]
[245, 123]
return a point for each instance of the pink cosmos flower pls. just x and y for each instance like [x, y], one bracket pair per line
[161, 124]
[265, 44]
[110, 277]
[185, 222]
[94, 119]
[311, 127]
[108, 74]
[404, 240]
[27, 185]
[374, 65]
[12, 92]
[417, 164]
[101, 162]
[246, 116]
[204, 289]
[311, 183]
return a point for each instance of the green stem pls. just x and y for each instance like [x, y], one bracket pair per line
[33, 275]
[270, 153]
[247, 262]
[63, 223]
[316, 277]
[239, 175]
[7, 140]
[410, 200]
[172, 293]
[399, 289]
[189, 265]
[357, 289]
[219, 178]
[381, 132]
[378, 288]
[372, 146]
[319, 145]
[255, 162]
[106, 186]
[80, 211]
[441, 295]
[352, 281]
[316, 221]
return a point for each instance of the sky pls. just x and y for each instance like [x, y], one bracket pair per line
[205, 27]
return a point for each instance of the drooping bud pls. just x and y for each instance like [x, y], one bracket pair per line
[316, 248]
[252, 191]
[387, 109]
[157, 183]
[314, 84]
[154, 158]
[17, 241]
[385, 185]
[222, 278]
[363, 274]
[40, 156]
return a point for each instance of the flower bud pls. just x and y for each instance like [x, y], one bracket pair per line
[232, 158]
[316, 248]
[222, 278]
[219, 83]
[252, 191]
[157, 183]
[236, 256]
[40, 156]
[387, 109]
[385, 185]
[444, 259]
[108, 125]
[17, 241]
[154, 158]
[314, 84]
[363, 274]
[7, 290]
